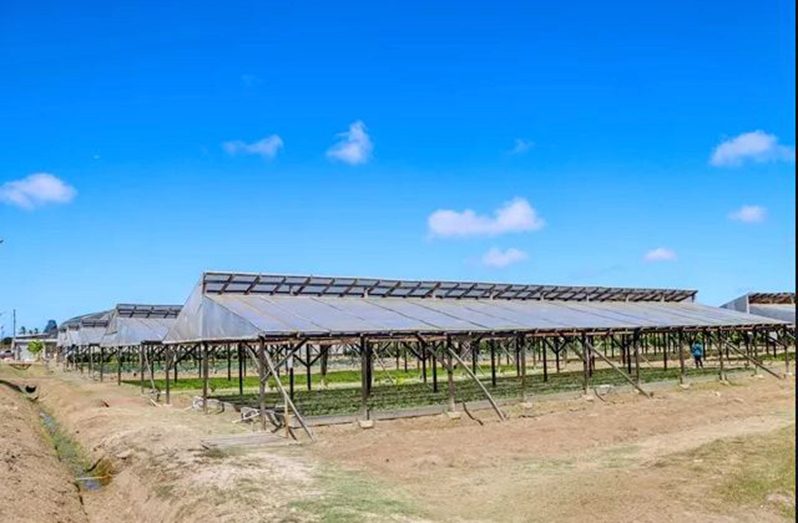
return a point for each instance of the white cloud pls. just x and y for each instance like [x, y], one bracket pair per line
[520, 146]
[36, 190]
[267, 147]
[749, 214]
[498, 258]
[354, 147]
[756, 146]
[660, 254]
[514, 216]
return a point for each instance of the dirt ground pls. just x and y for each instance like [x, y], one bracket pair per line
[33, 485]
[627, 458]
[570, 458]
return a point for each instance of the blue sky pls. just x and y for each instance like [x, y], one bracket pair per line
[594, 144]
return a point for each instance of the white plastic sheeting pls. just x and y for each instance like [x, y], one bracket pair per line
[218, 316]
[778, 306]
[128, 332]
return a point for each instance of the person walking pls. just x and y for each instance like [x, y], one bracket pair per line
[697, 351]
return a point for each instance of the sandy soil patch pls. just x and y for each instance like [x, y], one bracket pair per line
[570, 459]
[34, 485]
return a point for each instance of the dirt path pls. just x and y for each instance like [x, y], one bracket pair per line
[573, 458]
[34, 485]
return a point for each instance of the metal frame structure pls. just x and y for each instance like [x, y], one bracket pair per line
[291, 285]
[274, 320]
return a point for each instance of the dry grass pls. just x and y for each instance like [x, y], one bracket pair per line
[754, 471]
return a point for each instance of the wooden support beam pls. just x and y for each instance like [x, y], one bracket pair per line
[288, 400]
[544, 349]
[636, 343]
[492, 345]
[308, 373]
[450, 373]
[753, 360]
[141, 367]
[585, 366]
[682, 370]
[169, 357]
[365, 389]
[241, 361]
[619, 371]
[521, 350]
[473, 376]
[434, 368]
[229, 363]
[204, 373]
[262, 377]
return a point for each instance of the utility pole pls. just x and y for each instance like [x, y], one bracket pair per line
[14, 333]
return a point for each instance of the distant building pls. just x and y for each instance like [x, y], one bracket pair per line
[776, 305]
[21, 342]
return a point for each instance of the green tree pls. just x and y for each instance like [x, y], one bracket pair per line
[35, 347]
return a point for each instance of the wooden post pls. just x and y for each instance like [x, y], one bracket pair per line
[558, 347]
[151, 360]
[434, 368]
[423, 346]
[262, 377]
[521, 350]
[681, 358]
[544, 348]
[241, 361]
[722, 370]
[323, 363]
[474, 346]
[450, 373]
[204, 370]
[585, 366]
[229, 364]
[119, 366]
[169, 357]
[636, 343]
[665, 351]
[364, 385]
[102, 364]
[290, 364]
[492, 344]
[141, 367]
[307, 367]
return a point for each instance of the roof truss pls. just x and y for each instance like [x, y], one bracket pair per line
[276, 284]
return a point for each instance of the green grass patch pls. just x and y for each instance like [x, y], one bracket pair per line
[753, 471]
[351, 496]
[766, 474]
